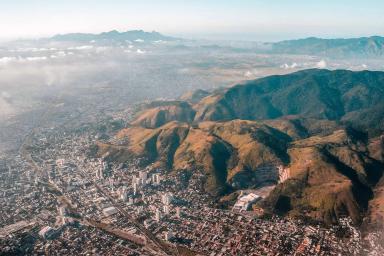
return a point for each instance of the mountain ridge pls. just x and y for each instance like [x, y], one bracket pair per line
[312, 93]
[357, 47]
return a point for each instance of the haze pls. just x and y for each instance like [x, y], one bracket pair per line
[214, 19]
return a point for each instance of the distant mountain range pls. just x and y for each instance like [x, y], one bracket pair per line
[362, 47]
[318, 134]
[114, 35]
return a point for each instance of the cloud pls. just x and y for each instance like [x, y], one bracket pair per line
[35, 58]
[287, 66]
[184, 71]
[6, 96]
[140, 51]
[81, 47]
[139, 40]
[58, 54]
[33, 49]
[101, 49]
[248, 74]
[321, 64]
[6, 60]
[61, 54]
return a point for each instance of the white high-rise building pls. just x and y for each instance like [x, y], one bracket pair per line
[167, 198]
[178, 212]
[158, 215]
[168, 235]
[60, 163]
[166, 209]
[156, 179]
[62, 210]
[99, 173]
[123, 194]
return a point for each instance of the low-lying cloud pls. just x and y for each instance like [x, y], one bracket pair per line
[321, 64]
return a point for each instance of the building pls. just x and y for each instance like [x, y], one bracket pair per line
[143, 175]
[63, 210]
[166, 209]
[99, 173]
[148, 223]
[178, 212]
[134, 182]
[47, 232]
[168, 235]
[60, 163]
[158, 215]
[166, 198]
[123, 193]
[245, 202]
[109, 211]
[156, 179]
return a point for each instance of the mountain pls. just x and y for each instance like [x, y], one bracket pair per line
[194, 96]
[352, 47]
[330, 177]
[303, 132]
[113, 35]
[157, 114]
[321, 94]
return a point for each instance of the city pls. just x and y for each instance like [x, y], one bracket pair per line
[65, 196]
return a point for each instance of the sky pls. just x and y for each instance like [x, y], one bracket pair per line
[256, 20]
